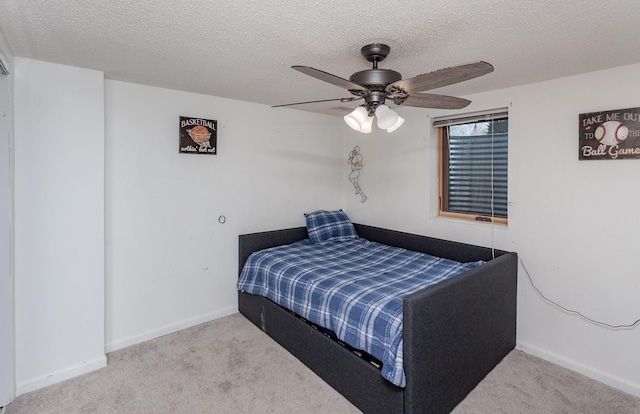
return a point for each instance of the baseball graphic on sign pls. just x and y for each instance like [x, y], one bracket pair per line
[611, 133]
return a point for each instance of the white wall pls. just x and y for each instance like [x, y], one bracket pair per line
[170, 263]
[573, 223]
[7, 385]
[59, 222]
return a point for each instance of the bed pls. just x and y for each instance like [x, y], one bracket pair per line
[453, 332]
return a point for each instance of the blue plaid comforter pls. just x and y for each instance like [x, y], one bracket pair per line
[354, 288]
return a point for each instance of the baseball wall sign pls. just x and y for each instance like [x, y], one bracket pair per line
[609, 135]
[198, 136]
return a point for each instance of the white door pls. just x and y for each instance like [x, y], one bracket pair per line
[6, 281]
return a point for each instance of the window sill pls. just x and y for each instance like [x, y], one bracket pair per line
[471, 219]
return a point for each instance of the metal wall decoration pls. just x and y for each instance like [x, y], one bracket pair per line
[609, 135]
[198, 136]
[355, 160]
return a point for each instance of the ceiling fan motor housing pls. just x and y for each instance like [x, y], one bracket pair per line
[375, 77]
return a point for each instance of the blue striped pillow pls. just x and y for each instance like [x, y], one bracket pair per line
[323, 226]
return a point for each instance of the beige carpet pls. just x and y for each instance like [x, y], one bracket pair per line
[230, 366]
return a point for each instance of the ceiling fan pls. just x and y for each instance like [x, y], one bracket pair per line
[376, 85]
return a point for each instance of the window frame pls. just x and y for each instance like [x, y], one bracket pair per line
[443, 169]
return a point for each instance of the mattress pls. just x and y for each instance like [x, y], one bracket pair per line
[354, 288]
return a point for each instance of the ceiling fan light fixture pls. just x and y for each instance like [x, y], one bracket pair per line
[397, 125]
[360, 120]
[357, 118]
[387, 118]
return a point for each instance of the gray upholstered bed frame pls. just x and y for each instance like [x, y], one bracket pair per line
[454, 332]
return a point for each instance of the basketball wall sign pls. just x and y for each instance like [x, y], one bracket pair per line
[198, 136]
[609, 135]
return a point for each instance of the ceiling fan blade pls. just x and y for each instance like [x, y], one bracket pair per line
[321, 100]
[442, 77]
[327, 77]
[431, 100]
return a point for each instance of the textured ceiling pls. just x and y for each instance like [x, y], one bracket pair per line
[244, 49]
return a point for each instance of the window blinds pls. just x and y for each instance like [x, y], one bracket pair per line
[478, 174]
[477, 165]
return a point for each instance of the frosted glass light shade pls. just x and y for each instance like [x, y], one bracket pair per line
[366, 125]
[357, 118]
[397, 125]
[387, 118]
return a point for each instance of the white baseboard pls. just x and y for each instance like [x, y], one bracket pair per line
[6, 396]
[86, 367]
[169, 329]
[59, 376]
[603, 377]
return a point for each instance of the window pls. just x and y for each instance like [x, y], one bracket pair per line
[473, 166]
